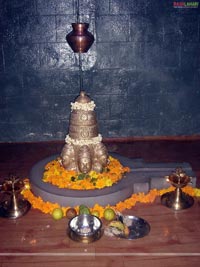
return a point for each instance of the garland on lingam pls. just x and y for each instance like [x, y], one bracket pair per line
[57, 175]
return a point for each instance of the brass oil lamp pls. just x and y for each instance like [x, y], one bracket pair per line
[177, 199]
[14, 206]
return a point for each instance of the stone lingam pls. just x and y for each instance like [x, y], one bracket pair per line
[84, 152]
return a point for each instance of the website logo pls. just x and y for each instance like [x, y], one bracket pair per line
[185, 4]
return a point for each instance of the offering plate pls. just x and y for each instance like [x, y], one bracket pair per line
[136, 227]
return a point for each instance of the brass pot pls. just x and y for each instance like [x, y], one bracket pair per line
[85, 228]
[80, 39]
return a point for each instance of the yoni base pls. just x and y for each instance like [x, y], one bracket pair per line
[143, 177]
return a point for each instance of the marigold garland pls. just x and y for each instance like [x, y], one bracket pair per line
[47, 207]
[57, 175]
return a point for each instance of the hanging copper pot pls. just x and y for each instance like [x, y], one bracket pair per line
[80, 39]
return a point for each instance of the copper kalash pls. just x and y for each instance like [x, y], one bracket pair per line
[84, 150]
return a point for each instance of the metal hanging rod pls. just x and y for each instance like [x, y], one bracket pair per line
[77, 11]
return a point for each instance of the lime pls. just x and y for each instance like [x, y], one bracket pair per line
[109, 214]
[84, 209]
[57, 214]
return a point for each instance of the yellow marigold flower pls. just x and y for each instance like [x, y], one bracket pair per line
[197, 192]
[108, 182]
[93, 174]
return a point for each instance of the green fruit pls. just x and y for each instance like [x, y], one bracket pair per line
[57, 214]
[109, 214]
[84, 209]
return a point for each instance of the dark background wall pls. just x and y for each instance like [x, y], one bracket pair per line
[143, 71]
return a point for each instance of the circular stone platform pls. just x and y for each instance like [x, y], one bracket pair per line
[142, 177]
[68, 197]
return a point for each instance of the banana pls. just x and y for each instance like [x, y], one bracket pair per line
[117, 224]
[119, 227]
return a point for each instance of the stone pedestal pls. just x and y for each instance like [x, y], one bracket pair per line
[142, 177]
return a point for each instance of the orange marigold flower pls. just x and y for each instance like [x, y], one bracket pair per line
[47, 207]
[58, 176]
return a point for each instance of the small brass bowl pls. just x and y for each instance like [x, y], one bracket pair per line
[85, 228]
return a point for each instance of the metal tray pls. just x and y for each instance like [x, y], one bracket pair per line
[138, 227]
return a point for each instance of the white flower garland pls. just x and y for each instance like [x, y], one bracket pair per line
[92, 141]
[83, 106]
